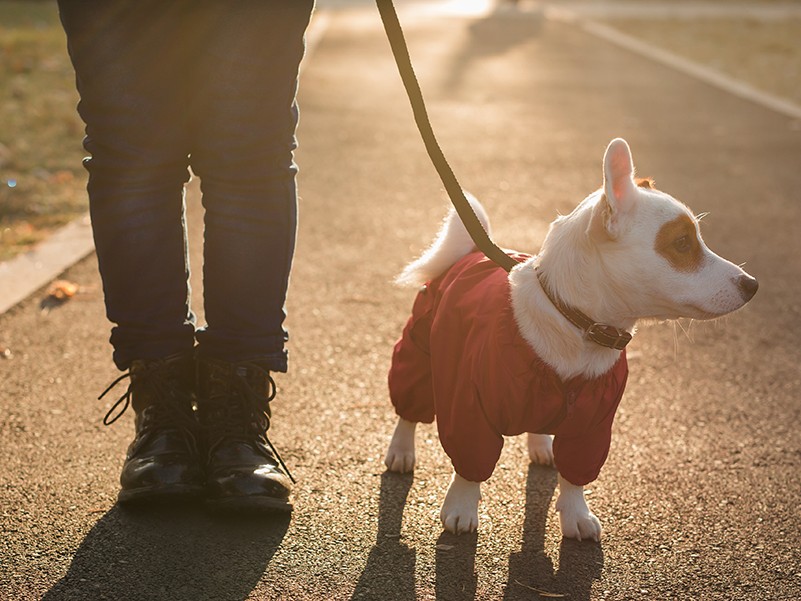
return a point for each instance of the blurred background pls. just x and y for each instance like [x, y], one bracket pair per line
[42, 181]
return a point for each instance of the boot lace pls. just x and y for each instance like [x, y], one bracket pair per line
[154, 380]
[230, 407]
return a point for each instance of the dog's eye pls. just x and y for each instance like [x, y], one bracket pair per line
[683, 244]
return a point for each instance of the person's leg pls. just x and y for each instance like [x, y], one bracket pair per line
[129, 58]
[243, 152]
[129, 61]
[245, 119]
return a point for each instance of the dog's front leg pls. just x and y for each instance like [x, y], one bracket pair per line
[460, 509]
[400, 454]
[575, 518]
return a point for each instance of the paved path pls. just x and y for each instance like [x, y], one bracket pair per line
[699, 498]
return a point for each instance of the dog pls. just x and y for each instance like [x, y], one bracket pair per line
[540, 350]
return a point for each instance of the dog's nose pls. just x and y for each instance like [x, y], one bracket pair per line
[748, 287]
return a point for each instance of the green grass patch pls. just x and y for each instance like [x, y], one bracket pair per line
[42, 183]
[765, 54]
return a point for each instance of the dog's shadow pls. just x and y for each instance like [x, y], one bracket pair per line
[171, 552]
[456, 566]
[389, 572]
[390, 569]
[530, 569]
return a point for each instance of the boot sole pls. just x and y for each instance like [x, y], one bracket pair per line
[249, 505]
[164, 494]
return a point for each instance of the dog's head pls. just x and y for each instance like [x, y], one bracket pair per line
[651, 249]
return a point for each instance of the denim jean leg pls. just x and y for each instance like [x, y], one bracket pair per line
[129, 61]
[245, 120]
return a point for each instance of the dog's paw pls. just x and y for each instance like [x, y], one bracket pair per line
[400, 454]
[399, 461]
[583, 526]
[540, 449]
[577, 521]
[459, 512]
[575, 518]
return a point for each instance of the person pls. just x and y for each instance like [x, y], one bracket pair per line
[211, 85]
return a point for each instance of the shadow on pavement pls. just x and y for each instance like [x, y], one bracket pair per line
[580, 563]
[178, 553]
[456, 566]
[494, 35]
[391, 563]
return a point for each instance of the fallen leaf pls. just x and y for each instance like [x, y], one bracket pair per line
[62, 290]
[59, 293]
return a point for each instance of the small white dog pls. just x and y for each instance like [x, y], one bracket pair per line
[539, 350]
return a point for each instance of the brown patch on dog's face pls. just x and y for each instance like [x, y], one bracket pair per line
[645, 182]
[678, 242]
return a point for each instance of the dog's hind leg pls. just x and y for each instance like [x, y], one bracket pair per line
[540, 449]
[400, 454]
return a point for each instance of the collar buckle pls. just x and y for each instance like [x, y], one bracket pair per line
[599, 333]
[608, 336]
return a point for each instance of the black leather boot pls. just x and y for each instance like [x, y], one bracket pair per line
[243, 469]
[163, 461]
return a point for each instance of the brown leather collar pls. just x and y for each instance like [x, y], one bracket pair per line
[599, 333]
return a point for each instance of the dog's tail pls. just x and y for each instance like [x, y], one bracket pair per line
[451, 244]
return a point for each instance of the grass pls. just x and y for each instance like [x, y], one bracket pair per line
[42, 183]
[765, 54]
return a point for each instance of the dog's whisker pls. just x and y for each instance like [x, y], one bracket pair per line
[685, 330]
[675, 342]
[700, 216]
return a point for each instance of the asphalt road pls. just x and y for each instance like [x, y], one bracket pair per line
[699, 498]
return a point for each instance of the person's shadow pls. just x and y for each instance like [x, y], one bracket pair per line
[171, 552]
[389, 572]
[530, 569]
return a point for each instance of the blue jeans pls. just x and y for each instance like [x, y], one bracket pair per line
[206, 84]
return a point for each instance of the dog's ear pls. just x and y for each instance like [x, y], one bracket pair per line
[619, 186]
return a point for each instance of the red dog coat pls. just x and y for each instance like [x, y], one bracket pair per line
[462, 359]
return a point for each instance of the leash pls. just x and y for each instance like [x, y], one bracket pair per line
[401, 53]
[601, 334]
